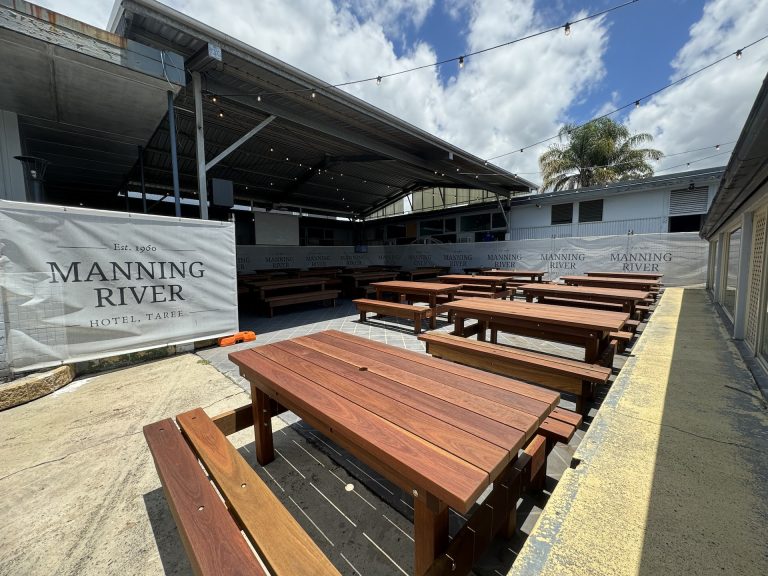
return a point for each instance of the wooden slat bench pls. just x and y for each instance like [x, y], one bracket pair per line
[642, 310]
[566, 375]
[385, 308]
[209, 528]
[622, 338]
[299, 298]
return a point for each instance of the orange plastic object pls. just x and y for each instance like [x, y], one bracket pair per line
[237, 338]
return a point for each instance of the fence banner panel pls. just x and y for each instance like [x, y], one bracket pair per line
[681, 257]
[79, 284]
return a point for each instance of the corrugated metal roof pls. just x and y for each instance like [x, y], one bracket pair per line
[361, 158]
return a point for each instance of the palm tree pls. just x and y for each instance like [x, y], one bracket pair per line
[597, 152]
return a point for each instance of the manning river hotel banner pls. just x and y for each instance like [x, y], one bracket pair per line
[79, 284]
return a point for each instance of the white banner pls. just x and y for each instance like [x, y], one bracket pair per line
[78, 284]
[681, 257]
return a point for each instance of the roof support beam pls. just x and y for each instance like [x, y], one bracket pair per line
[244, 138]
[202, 181]
[315, 122]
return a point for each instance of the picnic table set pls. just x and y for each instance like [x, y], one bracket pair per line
[470, 417]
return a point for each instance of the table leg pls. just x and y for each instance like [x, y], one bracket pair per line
[592, 350]
[430, 526]
[458, 325]
[481, 327]
[262, 426]
[528, 297]
[433, 305]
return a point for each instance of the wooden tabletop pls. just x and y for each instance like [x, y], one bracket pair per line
[515, 273]
[584, 318]
[641, 283]
[474, 279]
[408, 287]
[287, 283]
[566, 291]
[369, 274]
[430, 426]
[644, 275]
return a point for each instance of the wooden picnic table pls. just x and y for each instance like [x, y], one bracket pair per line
[627, 298]
[429, 289]
[472, 284]
[608, 282]
[262, 288]
[531, 275]
[644, 275]
[440, 431]
[423, 272]
[354, 280]
[576, 326]
[331, 272]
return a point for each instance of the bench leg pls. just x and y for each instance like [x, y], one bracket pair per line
[416, 323]
[262, 426]
[537, 449]
[362, 316]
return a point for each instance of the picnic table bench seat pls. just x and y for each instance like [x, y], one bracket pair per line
[386, 308]
[622, 338]
[273, 302]
[209, 524]
[571, 376]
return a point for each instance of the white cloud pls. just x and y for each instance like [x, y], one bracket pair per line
[507, 98]
[711, 107]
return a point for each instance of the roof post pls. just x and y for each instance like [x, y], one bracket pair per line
[202, 184]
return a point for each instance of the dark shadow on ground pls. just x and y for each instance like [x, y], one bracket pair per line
[169, 546]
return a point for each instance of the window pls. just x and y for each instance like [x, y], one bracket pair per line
[562, 213]
[497, 220]
[690, 223]
[475, 222]
[591, 211]
[430, 227]
[450, 224]
[732, 272]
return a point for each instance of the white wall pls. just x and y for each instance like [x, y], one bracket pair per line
[645, 204]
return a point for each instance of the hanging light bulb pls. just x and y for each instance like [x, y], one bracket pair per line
[214, 99]
[314, 95]
[717, 147]
[461, 62]
[258, 98]
[738, 54]
[637, 103]
[567, 28]
[378, 80]
[221, 114]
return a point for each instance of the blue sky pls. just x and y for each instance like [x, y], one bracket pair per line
[518, 95]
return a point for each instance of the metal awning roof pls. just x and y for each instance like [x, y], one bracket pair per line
[85, 98]
[332, 154]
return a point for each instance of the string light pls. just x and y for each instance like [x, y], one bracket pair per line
[738, 54]
[221, 114]
[459, 59]
[645, 97]
[637, 103]
[567, 28]
[314, 95]
[378, 80]
[214, 99]
[717, 147]
[258, 98]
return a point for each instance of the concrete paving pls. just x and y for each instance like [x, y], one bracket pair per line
[673, 476]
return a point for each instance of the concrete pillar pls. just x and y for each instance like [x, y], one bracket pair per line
[742, 289]
[12, 185]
